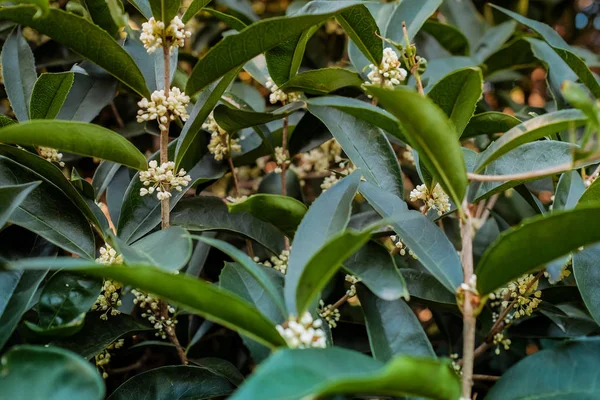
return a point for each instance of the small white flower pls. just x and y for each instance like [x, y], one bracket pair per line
[437, 199]
[221, 143]
[162, 179]
[279, 95]
[303, 333]
[331, 316]
[154, 34]
[163, 108]
[389, 73]
[151, 307]
[51, 155]
[279, 263]
[346, 169]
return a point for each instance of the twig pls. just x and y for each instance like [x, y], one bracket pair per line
[164, 312]
[117, 115]
[165, 207]
[236, 184]
[469, 298]
[138, 364]
[523, 176]
[489, 378]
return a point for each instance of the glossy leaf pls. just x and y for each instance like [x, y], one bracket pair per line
[18, 74]
[281, 211]
[526, 248]
[49, 94]
[423, 237]
[376, 269]
[393, 328]
[448, 36]
[100, 11]
[528, 131]
[151, 249]
[11, 196]
[194, 8]
[431, 133]
[42, 5]
[50, 372]
[75, 137]
[457, 95]
[164, 10]
[322, 81]
[569, 189]
[327, 217]
[284, 60]
[233, 119]
[464, 15]
[489, 123]
[414, 14]
[99, 47]
[184, 381]
[362, 29]
[493, 39]
[348, 372]
[366, 146]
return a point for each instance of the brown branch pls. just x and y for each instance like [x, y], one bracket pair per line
[523, 176]
[469, 299]
[489, 378]
[164, 313]
[165, 207]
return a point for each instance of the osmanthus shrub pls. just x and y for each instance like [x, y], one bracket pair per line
[320, 199]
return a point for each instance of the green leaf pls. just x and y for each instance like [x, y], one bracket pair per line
[98, 46]
[284, 60]
[528, 131]
[587, 276]
[36, 332]
[393, 328]
[464, 15]
[194, 8]
[489, 123]
[424, 286]
[192, 294]
[362, 29]
[492, 40]
[11, 196]
[51, 373]
[327, 217]
[75, 137]
[205, 213]
[348, 372]
[457, 95]
[448, 36]
[233, 119]
[366, 146]
[376, 269]
[164, 10]
[322, 81]
[152, 249]
[47, 211]
[364, 111]
[323, 265]
[552, 374]
[423, 237]
[515, 55]
[414, 14]
[18, 73]
[143, 6]
[568, 191]
[235, 50]
[65, 297]
[49, 94]
[97, 334]
[431, 134]
[227, 19]
[100, 13]
[266, 281]
[42, 5]
[281, 211]
[536, 241]
[207, 100]
[591, 194]
[579, 98]
[184, 381]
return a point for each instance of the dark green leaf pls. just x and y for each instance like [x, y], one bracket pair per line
[366, 146]
[587, 275]
[75, 137]
[322, 81]
[143, 6]
[101, 14]
[36, 332]
[164, 10]
[423, 237]
[528, 131]
[362, 29]
[11, 196]
[233, 119]
[42, 5]
[194, 8]
[425, 286]
[569, 189]
[281, 211]
[375, 267]
[489, 123]
[99, 47]
[174, 382]
[492, 40]
[414, 14]
[448, 36]
[457, 95]
[348, 372]
[464, 15]
[152, 249]
[429, 131]
[18, 72]
[103, 176]
[515, 55]
[553, 374]
[227, 19]
[327, 217]
[284, 60]
[222, 368]
[538, 240]
[49, 94]
[50, 373]
[393, 328]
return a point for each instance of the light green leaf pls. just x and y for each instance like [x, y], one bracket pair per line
[414, 14]
[347, 372]
[448, 36]
[528, 131]
[11, 196]
[75, 137]
[281, 211]
[50, 372]
[536, 241]
[164, 10]
[393, 328]
[18, 72]
[464, 15]
[431, 134]
[42, 5]
[49, 94]
[322, 81]
[99, 47]
[457, 95]
[489, 123]
[492, 40]
[194, 8]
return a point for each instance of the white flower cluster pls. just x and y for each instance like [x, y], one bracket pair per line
[408, 155]
[501, 340]
[154, 34]
[455, 365]
[163, 108]
[162, 179]
[279, 95]
[103, 359]
[402, 247]
[151, 311]
[329, 314]
[318, 159]
[346, 169]
[110, 297]
[51, 155]
[221, 144]
[282, 158]
[353, 280]
[437, 199]
[389, 73]
[303, 333]
[278, 263]
[523, 292]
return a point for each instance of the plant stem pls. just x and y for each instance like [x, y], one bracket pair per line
[236, 184]
[164, 312]
[469, 300]
[284, 143]
[489, 378]
[165, 206]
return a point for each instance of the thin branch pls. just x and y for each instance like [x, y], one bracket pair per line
[164, 312]
[489, 378]
[466, 231]
[523, 176]
[165, 207]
